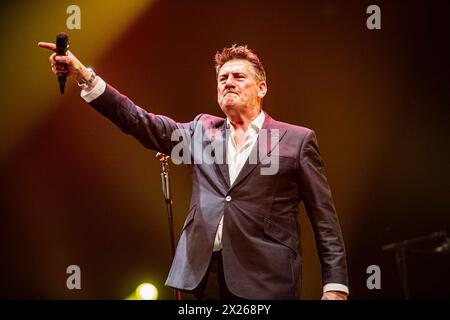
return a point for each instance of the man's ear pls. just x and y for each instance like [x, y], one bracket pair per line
[262, 89]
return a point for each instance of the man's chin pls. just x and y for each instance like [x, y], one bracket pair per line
[231, 100]
[229, 108]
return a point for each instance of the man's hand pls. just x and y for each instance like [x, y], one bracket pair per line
[334, 295]
[74, 67]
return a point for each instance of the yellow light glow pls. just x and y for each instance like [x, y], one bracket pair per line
[146, 291]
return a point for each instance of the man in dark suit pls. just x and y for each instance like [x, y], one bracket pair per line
[249, 174]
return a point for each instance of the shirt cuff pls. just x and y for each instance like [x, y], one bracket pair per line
[95, 92]
[335, 287]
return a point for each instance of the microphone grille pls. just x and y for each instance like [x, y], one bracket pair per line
[62, 42]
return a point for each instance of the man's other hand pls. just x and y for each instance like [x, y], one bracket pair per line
[334, 295]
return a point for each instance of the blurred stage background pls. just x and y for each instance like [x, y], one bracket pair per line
[76, 190]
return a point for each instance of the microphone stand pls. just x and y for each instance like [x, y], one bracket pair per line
[168, 200]
[400, 252]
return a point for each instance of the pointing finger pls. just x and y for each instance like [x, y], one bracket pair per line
[47, 45]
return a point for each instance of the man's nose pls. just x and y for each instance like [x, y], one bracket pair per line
[229, 83]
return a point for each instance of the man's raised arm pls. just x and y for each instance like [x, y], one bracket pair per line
[153, 131]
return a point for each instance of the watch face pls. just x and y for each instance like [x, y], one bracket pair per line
[91, 79]
[85, 84]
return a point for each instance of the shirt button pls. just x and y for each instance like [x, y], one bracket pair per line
[228, 199]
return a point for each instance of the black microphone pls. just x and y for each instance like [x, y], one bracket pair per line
[62, 44]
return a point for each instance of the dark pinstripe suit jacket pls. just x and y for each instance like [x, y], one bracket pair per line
[261, 244]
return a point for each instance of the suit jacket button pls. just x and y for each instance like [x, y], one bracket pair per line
[228, 198]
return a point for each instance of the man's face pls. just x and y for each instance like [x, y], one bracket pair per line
[238, 88]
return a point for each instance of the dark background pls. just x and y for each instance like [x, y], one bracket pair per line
[76, 190]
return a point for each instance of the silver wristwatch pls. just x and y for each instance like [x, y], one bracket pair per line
[87, 83]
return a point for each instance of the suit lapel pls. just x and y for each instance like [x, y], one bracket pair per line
[269, 136]
[220, 158]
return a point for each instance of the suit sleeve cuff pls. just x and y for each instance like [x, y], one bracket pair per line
[95, 92]
[335, 287]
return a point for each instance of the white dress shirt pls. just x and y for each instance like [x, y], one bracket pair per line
[236, 158]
